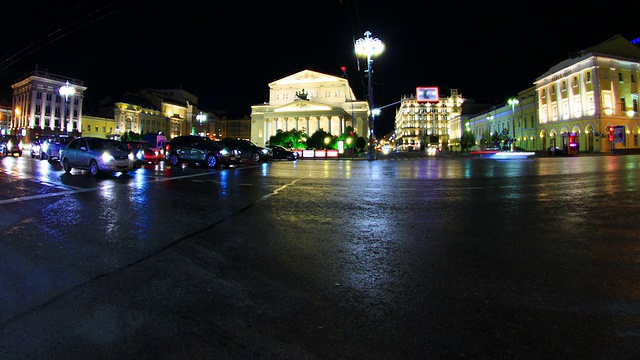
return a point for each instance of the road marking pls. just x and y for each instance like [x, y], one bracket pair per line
[77, 190]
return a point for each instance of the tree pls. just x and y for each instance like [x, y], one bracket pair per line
[317, 140]
[293, 139]
[467, 141]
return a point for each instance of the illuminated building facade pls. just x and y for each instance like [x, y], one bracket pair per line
[419, 123]
[309, 101]
[589, 92]
[40, 109]
[581, 97]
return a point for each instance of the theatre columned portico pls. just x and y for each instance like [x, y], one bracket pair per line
[309, 101]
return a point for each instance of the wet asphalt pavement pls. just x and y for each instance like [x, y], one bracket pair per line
[445, 257]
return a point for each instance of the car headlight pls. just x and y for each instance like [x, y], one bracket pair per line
[265, 151]
[224, 152]
[106, 157]
[139, 155]
[130, 156]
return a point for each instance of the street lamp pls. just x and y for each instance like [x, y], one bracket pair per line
[201, 118]
[369, 47]
[66, 91]
[513, 102]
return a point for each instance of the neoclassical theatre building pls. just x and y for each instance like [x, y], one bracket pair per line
[308, 101]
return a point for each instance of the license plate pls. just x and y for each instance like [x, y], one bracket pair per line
[121, 163]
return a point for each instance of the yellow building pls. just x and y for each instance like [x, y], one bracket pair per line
[98, 126]
[309, 101]
[588, 93]
[579, 97]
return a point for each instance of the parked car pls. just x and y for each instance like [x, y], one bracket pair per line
[52, 146]
[279, 152]
[198, 150]
[142, 152]
[96, 155]
[12, 145]
[36, 147]
[551, 150]
[248, 150]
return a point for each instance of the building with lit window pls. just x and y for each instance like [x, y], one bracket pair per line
[40, 108]
[587, 93]
[309, 101]
[580, 99]
[426, 122]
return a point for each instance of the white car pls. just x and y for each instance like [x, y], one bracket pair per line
[96, 155]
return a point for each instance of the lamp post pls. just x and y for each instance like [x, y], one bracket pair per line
[66, 91]
[369, 47]
[201, 118]
[513, 102]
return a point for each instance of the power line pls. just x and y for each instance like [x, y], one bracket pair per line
[72, 24]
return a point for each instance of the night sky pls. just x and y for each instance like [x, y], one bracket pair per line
[227, 53]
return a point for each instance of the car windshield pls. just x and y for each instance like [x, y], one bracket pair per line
[98, 144]
[60, 140]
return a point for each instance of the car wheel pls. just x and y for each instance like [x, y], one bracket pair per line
[174, 160]
[212, 161]
[255, 157]
[66, 166]
[93, 167]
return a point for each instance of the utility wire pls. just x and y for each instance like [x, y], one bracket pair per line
[53, 32]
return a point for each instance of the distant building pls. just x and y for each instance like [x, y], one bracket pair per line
[585, 94]
[39, 108]
[579, 98]
[420, 123]
[98, 126]
[308, 101]
[5, 118]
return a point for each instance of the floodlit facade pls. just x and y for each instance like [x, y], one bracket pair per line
[420, 124]
[309, 101]
[579, 99]
[40, 108]
[588, 93]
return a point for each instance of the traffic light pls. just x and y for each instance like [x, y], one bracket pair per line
[611, 133]
[344, 71]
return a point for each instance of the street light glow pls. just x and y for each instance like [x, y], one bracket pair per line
[66, 91]
[369, 47]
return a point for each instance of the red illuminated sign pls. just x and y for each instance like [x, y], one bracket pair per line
[427, 94]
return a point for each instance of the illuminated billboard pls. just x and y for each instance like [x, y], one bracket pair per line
[427, 94]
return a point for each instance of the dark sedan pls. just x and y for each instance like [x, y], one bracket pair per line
[51, 147]
[279, 152]
[12, 144]
[248, 150]
[198, 150]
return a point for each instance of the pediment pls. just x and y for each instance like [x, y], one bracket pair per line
[303, 105]
[306, 77]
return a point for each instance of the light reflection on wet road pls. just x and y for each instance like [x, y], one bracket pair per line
[424, 258]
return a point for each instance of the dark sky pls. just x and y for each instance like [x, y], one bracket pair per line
[227, 53]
